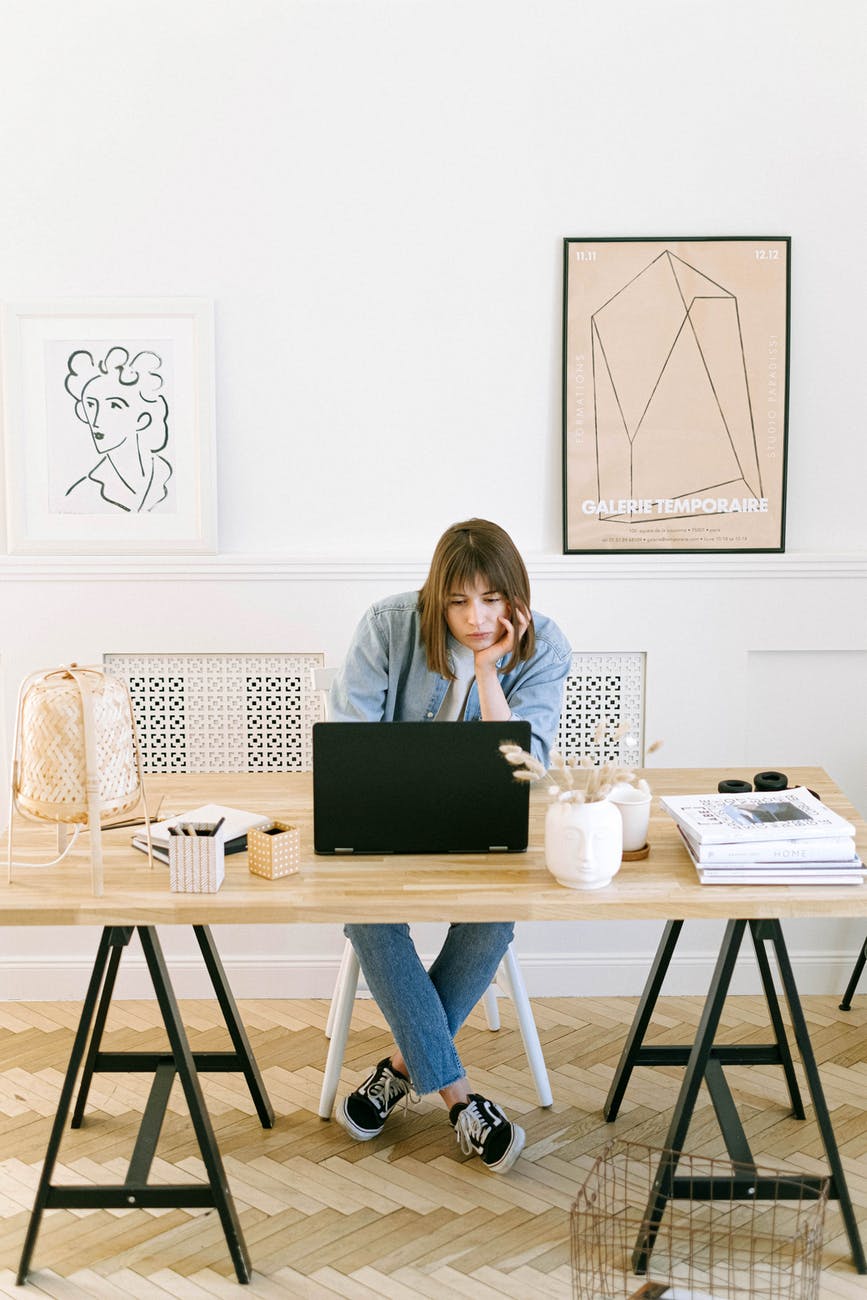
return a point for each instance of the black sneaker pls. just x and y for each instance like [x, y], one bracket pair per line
[482, 1129]
[364, 1112]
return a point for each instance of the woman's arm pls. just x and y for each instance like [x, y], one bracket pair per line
[358, 691]
[493, 704]
[534, 691]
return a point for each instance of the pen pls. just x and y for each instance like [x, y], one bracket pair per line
[217, 827]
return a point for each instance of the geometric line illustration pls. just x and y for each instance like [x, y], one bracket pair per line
[672, 408]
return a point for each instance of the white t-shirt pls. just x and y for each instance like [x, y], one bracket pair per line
[455, 700]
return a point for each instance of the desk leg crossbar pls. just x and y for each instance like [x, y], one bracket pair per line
[704, 1063]
[181, 1062]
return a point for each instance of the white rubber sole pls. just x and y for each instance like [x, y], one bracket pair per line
[511, 1153]
[360, 1134]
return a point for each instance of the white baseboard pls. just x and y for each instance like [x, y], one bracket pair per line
[547, 975]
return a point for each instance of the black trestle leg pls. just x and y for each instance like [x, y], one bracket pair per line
[120, 939]
[846, 1004]
[632, 1047]
[179, 1062]
[240, 1059]
[759, 931]
[188, 1075]
[237, 1032]
[839, 1187]
[704, 1062]
[64, 1102]
[695, 1072]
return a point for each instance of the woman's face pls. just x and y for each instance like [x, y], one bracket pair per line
[113, 413]
[473, 613]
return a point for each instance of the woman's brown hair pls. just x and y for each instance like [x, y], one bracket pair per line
[465, 552]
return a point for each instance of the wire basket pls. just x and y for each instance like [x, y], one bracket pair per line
[731, 1247]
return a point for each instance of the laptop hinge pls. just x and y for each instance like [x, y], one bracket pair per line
[367, 853]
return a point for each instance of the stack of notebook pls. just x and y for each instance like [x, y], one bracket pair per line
[770, 838]
[236, 823]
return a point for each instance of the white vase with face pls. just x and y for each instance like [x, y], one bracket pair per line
[583, 843]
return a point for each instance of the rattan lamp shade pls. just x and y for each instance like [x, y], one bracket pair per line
[76, 756]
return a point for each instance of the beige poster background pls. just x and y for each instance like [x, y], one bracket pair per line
[675, 394]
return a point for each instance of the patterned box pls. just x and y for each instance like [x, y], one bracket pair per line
[197, 863]
[274, 850]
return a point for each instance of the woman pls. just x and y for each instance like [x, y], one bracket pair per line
[466, 647]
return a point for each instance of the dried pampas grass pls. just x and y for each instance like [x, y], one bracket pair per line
[578, 780]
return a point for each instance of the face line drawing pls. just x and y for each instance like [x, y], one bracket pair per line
[115, 419]
[143, 421]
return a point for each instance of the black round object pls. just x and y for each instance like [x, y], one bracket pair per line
[771, 781]
[734, 787]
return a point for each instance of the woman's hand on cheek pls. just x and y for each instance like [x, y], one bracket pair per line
[512, 632]
[522, 618]
[505, 644]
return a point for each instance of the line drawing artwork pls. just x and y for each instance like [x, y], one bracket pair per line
[119, 397]
[673, 414]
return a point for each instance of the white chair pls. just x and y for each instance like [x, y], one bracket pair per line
[340, 1015]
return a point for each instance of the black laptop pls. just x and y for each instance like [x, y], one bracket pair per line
[418, 787]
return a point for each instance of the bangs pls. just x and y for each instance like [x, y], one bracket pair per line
[465, 572]
[465, 567]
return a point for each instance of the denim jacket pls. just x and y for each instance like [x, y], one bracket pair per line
[385, 677]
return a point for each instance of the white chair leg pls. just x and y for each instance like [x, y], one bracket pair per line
[345, 961]
[340, 1017]
[492, 1011]
[341, 1003]
[510, 972]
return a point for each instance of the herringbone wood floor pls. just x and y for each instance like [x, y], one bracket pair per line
[406, 1215]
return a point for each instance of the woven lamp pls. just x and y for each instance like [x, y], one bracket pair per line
[75, 756]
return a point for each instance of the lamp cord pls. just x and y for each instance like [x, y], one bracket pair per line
[55, 862]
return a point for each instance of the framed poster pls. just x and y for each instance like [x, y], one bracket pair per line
[109, 426]
[675, 394]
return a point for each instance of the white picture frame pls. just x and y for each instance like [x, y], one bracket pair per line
[109, 431]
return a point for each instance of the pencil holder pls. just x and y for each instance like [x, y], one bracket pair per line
[197, 863]
[274, 850]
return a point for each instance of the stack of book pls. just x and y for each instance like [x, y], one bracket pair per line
[236, 823]
[767, 838]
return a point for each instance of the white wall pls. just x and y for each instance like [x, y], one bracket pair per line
[375, 195]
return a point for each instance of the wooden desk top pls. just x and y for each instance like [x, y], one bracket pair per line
[487, 887]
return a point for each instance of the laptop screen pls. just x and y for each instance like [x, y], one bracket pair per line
[418, 787]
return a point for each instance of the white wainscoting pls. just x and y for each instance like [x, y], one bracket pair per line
[40, 975]
[751, 660]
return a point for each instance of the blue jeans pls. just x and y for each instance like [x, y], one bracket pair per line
[425, 1009]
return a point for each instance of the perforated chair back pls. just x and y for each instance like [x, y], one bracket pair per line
[609, 686]
[223, 712]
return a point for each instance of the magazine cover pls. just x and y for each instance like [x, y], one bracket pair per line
[763, 815]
